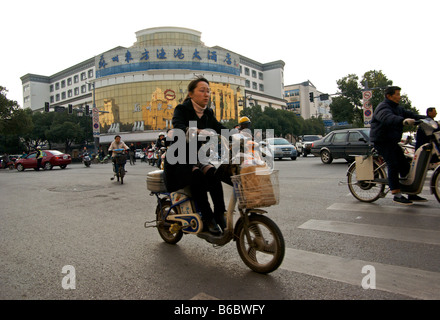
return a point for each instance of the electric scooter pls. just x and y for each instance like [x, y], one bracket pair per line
[376, 186]
[259, 240]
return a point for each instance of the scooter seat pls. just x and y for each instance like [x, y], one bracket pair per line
[186, 191]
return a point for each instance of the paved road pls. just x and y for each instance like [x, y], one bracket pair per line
[77, 217]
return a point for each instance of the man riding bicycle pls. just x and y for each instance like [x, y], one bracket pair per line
[116, 144]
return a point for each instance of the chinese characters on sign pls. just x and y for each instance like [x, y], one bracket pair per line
[161, 54]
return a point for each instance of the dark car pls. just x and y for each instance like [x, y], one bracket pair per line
[51, 158]
[342, 144]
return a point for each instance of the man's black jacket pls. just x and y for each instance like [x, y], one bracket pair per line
[387, 123]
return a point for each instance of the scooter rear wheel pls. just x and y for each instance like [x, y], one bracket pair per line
[264, 251]
[164, 232]
[366, 191]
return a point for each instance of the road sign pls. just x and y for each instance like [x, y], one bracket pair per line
[366, 95]
[95, 116]
[368, 108]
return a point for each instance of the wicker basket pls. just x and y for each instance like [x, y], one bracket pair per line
[256, 189]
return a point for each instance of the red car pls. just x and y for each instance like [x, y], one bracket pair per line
[51, 158]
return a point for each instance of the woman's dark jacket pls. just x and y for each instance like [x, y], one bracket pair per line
[177, 176]
[387, 123]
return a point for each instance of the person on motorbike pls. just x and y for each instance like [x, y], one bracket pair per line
[84, 154]
[117, 144]
[161, 142]
[200, 177]
[386, 133]
[421, 137]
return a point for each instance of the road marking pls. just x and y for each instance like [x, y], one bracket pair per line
[414, 210]
[416, 283]
[375, 231]
[203, 296]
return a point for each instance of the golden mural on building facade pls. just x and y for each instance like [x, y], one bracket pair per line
[150, 106]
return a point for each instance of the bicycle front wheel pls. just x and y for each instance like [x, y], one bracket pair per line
[121, 174]
[369, 190]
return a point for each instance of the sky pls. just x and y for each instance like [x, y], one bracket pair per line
[319, 40]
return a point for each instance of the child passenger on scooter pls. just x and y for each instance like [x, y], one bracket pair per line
[200, 177]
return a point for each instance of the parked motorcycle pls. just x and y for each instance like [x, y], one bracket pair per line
[374, 183]
[259, 240]
[150, 156]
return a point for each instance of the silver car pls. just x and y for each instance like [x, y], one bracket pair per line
[280, 148]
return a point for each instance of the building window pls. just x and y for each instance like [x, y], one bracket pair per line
[90, 73]
[254, 74]
[83, 76]
[69, 81]
[248, 84]
[51, 88]
[261, 87]
[57, 98]
[69, 93]
[76, 91]
[76, 79]
[254, 85]
[52, 99]
[260, 75]
[63, 83]
[63, 95]
[246, 71]
[26, 99]
[57, 86]
[83, 89]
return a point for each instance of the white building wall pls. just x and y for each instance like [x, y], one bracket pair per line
[35, 94]
[274, 83]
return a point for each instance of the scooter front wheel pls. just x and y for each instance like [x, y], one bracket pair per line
[264, 251]
[435, 184]
[121, 174]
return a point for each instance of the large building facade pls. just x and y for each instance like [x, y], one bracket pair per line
[306, 101]
[136, 89]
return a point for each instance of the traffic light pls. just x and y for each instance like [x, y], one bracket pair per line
[311, 96]
[70, 109]
[46, 107]
[87, 110]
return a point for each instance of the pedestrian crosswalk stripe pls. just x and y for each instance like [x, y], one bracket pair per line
[415, 283]
[414, 210]
[376, 231]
